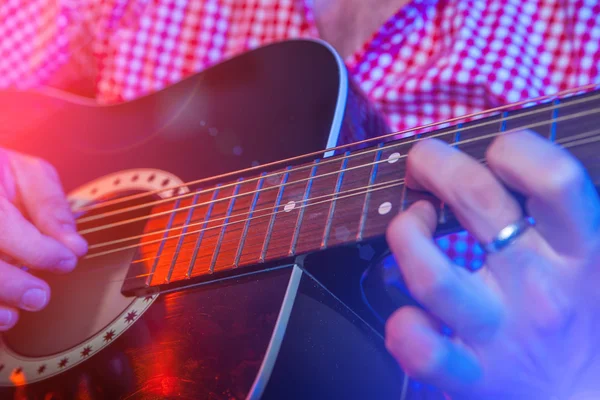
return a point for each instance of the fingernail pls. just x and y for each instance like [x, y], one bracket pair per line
[34, 299]
[68, 264]
[74, 241]
[6, 318]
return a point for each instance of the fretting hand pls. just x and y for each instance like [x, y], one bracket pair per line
[525, 326]
[37, 230]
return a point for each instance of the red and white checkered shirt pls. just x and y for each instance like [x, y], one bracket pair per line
[432, 60]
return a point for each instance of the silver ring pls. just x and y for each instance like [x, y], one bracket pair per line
[508, 235]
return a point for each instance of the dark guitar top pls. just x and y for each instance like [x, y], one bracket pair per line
[209, 341]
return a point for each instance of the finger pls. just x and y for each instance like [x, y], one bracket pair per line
[21, 240]
[479, 201]
[9, 317]
[43, 198]
[414, 339]
[466, 302]
[21, 289]
[562, 198]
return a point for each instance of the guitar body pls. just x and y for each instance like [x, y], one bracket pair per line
[290, 331]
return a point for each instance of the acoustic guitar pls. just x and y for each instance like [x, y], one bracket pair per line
[236, 235]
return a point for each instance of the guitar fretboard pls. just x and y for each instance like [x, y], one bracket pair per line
[343, 199]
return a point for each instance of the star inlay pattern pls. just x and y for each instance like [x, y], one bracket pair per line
[13, 369]
[86, 351]
[108, 336]
[131, 316]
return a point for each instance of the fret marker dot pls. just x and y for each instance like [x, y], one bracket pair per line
[289, 206]
[385, 208]
[393, 158]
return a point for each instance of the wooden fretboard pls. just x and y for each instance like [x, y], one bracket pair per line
[333, 201]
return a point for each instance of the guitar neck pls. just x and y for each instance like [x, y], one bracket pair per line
[343, 199]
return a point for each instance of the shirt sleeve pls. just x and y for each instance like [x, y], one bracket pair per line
[46, 43]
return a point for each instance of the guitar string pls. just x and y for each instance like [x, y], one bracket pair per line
[365, 141]
[95, 255]
[151, 233]
[577, 142]
[224, 217]
[235, 196]
[330, 160]
[583, 138]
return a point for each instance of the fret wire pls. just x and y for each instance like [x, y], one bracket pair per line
[456, 138]
[201, 233]
[403, 199]
[505, 115]
[363, 215]
[181, 238]
[301, 212]
[235, 192]
[552, 137]
[336, 190]
[162, 243]
[284, 179]
[259, 187]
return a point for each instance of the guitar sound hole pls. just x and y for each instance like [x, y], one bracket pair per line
[86, 300]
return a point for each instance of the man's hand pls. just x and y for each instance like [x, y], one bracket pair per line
[525, 326]
[37, 231]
